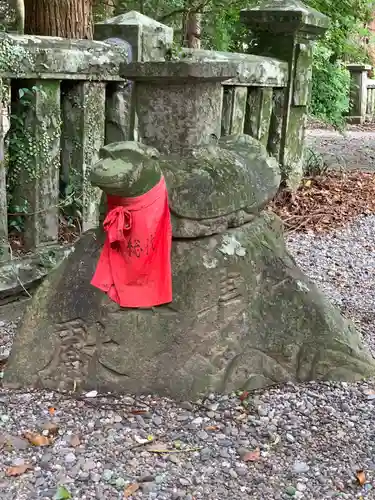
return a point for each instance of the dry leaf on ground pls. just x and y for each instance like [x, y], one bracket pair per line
[131, 489]
[138, 411]
[361, 477]
[251, 456]
[37, 439]
[326, 202]
[17, 470]
[212, 428]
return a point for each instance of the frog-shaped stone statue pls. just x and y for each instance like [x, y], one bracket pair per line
[243, 314]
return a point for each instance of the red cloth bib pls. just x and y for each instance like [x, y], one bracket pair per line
[134, 268]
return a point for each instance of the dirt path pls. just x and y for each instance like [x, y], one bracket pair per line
[354, 149]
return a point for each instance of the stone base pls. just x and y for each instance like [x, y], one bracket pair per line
[355, 120]
[243, 316]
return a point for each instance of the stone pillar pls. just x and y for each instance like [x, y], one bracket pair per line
[234, 110]
[370, 112]
[358, 92]
[148, 41]
[4, 127]
[179, 103]
[285, 29]
[258, 113]
[35, 159]
[83, 109]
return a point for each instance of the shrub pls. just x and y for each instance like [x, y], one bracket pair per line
[330, 88]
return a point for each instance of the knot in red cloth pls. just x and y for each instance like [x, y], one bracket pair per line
[117, 221]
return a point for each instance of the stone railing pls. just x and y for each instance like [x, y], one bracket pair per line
[62, 100]
[251, 101]
[362, 94]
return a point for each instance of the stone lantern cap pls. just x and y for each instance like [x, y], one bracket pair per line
[285, 16]
[180, 71]
[358, 68]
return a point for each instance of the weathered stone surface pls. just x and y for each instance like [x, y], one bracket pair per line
[127, 169]
[219, 180]
[83, 131]
[262, 322]
[20, 274]
[258, 113]
[34, 164]
[194, 228]
[358, 92]
[251, 69]
[185, 109]
[148, 38]
[243, 315]
[42, 57]
[285, 29]
[4, 127]
[286, 15]
[234, 110]
[210, 182]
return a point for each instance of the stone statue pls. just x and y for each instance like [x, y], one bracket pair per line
[243, 315]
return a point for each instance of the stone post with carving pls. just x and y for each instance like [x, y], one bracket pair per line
[286, 29]
[144, 40]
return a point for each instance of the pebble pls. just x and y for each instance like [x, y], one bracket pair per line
[107, 474]
[202, 435]
[291, 491]
[70, 458]
[120, 482]
[290, 438]
[300, 467]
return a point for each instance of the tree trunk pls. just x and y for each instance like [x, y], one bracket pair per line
[193, 30]
[65, 18]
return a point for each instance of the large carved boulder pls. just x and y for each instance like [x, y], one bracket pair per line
[243, 315]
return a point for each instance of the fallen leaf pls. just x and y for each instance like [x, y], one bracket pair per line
[62, 494]
[212, 428]
[91, 394]
[131, 489]
[17, 470]
[138, 411]
[251, 456]
[244, 395]
[308, 183]
[37, 439]
[51, 410]
[361, 477]
[74, 440]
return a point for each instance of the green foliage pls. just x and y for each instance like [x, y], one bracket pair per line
[348, 20]
[330, 89]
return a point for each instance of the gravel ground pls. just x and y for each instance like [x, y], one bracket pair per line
[297, 441]
[312, 439]
[355, 149]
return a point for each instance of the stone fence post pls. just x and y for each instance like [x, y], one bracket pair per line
[148, 40]
[358, 92]
[285, 29]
